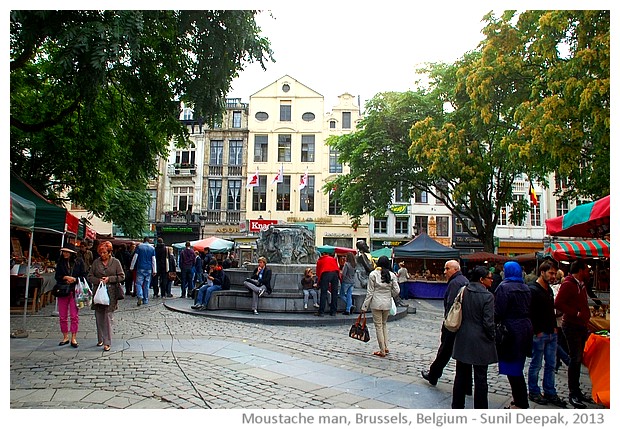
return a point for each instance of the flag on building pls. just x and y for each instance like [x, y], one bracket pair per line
[303, 182]
[279, 176]
[253, 180]
[533, 197]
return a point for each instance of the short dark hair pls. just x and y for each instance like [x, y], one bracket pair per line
[160, 240]
[577, 266]
[146, 240]
[479, 272]
[546, 266]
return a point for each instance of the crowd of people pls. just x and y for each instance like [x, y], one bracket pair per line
[512, 320]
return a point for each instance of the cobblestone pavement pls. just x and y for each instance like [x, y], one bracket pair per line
[162, 359]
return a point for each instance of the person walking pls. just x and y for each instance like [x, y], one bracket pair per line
[106, 271]
[512, 306]
[259, 282]
[328, 276]
[382, 288]
[68, 269]
[456, 280]
[186, 261]
[146, 267]
[478, 329]
[545, 340]
[572, 301]
[348, 281]
[160, 283]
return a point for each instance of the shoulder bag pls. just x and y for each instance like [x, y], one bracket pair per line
[61, 290]
[359, 330]
[455, 315]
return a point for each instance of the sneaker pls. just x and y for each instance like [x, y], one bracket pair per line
[400, 303]
[195, 306]
[305, 306]
[538, 398]
[316, 305]
[576, 402]
[426, 377]
[586, 398]
[255, 311]
[555, 400]
[139, 302]
[202, 307]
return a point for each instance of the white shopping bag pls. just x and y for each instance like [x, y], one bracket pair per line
[101, 296]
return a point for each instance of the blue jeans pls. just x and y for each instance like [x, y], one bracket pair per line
[346, 294]
[143, 281]
[204, 293]
[544, 346]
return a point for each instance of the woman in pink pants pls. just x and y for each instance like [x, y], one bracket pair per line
[68, 269]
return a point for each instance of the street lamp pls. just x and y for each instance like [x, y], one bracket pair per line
[203, 222]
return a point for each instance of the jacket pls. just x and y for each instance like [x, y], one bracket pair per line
[115, 272]
[161, 255]
[512, 307]
[187, 258]
[264, 279]
[348, 273]
[572, 301]
[542, 309]
[455, 283]
[308, 282]
[144, 258]
[474, 342]
[378, 294]
[75, 269]
[324, 264]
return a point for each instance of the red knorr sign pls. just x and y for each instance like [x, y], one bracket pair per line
[257, 225]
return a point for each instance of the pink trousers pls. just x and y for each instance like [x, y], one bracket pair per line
[67, 307]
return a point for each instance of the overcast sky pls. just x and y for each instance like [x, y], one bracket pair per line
[361, 51]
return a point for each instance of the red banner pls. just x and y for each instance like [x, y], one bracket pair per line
[257, 225]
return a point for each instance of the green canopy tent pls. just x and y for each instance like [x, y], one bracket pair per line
[386, 251]
[23, 214]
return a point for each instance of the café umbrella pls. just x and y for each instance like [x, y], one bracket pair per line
[590, 220]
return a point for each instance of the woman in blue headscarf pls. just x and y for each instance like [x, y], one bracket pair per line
[512, 305]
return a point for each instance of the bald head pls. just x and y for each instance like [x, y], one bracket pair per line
[451, 267]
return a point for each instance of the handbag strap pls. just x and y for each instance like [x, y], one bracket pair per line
[362, 317]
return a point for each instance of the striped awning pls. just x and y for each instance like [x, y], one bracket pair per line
[570, 250]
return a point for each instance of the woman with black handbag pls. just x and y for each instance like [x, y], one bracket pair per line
[68, 270]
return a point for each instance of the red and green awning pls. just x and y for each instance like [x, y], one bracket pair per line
[586, 220]
[570, 250]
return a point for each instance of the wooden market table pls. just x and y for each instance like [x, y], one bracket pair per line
[596, 359]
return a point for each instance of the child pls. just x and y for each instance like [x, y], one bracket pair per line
[309, 286]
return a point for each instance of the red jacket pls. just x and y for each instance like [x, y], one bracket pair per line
[572, 299]
[325, 264]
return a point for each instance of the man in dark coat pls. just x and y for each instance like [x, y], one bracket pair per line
[456, 280]
[161, 258]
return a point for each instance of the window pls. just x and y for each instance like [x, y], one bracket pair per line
[260, 148]
[459, 228]
[286, 87]
[335, 208]
[332, 124]
[516, 198]
[308, 116]
[401, 225]
[214, 200]
[306, 196]
[153, 206]
[216, 152]
[380, 225]
[421, 223]
[334, 165]
[235, 152]
[346, 120]
[535, 214]
[307, 148]
[236, 119]
[283, 201]
[183, 198]
[398, 192]
[234, 195]
[421, 197]
[503, 216]
[561, 208]
[259, 194]
[285, 111]
[261, 116]
[442, 226]
[284, 148]
[188, 114]
[186, 158]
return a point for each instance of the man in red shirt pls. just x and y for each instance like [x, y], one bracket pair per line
[328, 273]
[572, 301]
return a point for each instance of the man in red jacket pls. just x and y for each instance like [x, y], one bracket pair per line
[572, 301]
[328, 273]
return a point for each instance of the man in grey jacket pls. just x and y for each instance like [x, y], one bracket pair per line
[456, 280]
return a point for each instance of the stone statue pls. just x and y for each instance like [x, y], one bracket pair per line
[287, 244]
[365, 264]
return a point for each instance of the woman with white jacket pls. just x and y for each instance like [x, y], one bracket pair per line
[382, 287]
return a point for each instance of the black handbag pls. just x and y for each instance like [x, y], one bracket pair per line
[359, 330]
[501, 333]
[60, 290]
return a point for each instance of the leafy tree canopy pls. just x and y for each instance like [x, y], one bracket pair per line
[95, 96]
[469, 155]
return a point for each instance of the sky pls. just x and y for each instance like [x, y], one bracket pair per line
[361, 51]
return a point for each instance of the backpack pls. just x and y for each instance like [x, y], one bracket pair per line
[225, 281]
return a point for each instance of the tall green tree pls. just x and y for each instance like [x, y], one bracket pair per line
[95, 96]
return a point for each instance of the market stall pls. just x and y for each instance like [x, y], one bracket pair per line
[424, 259]
[215, 245]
